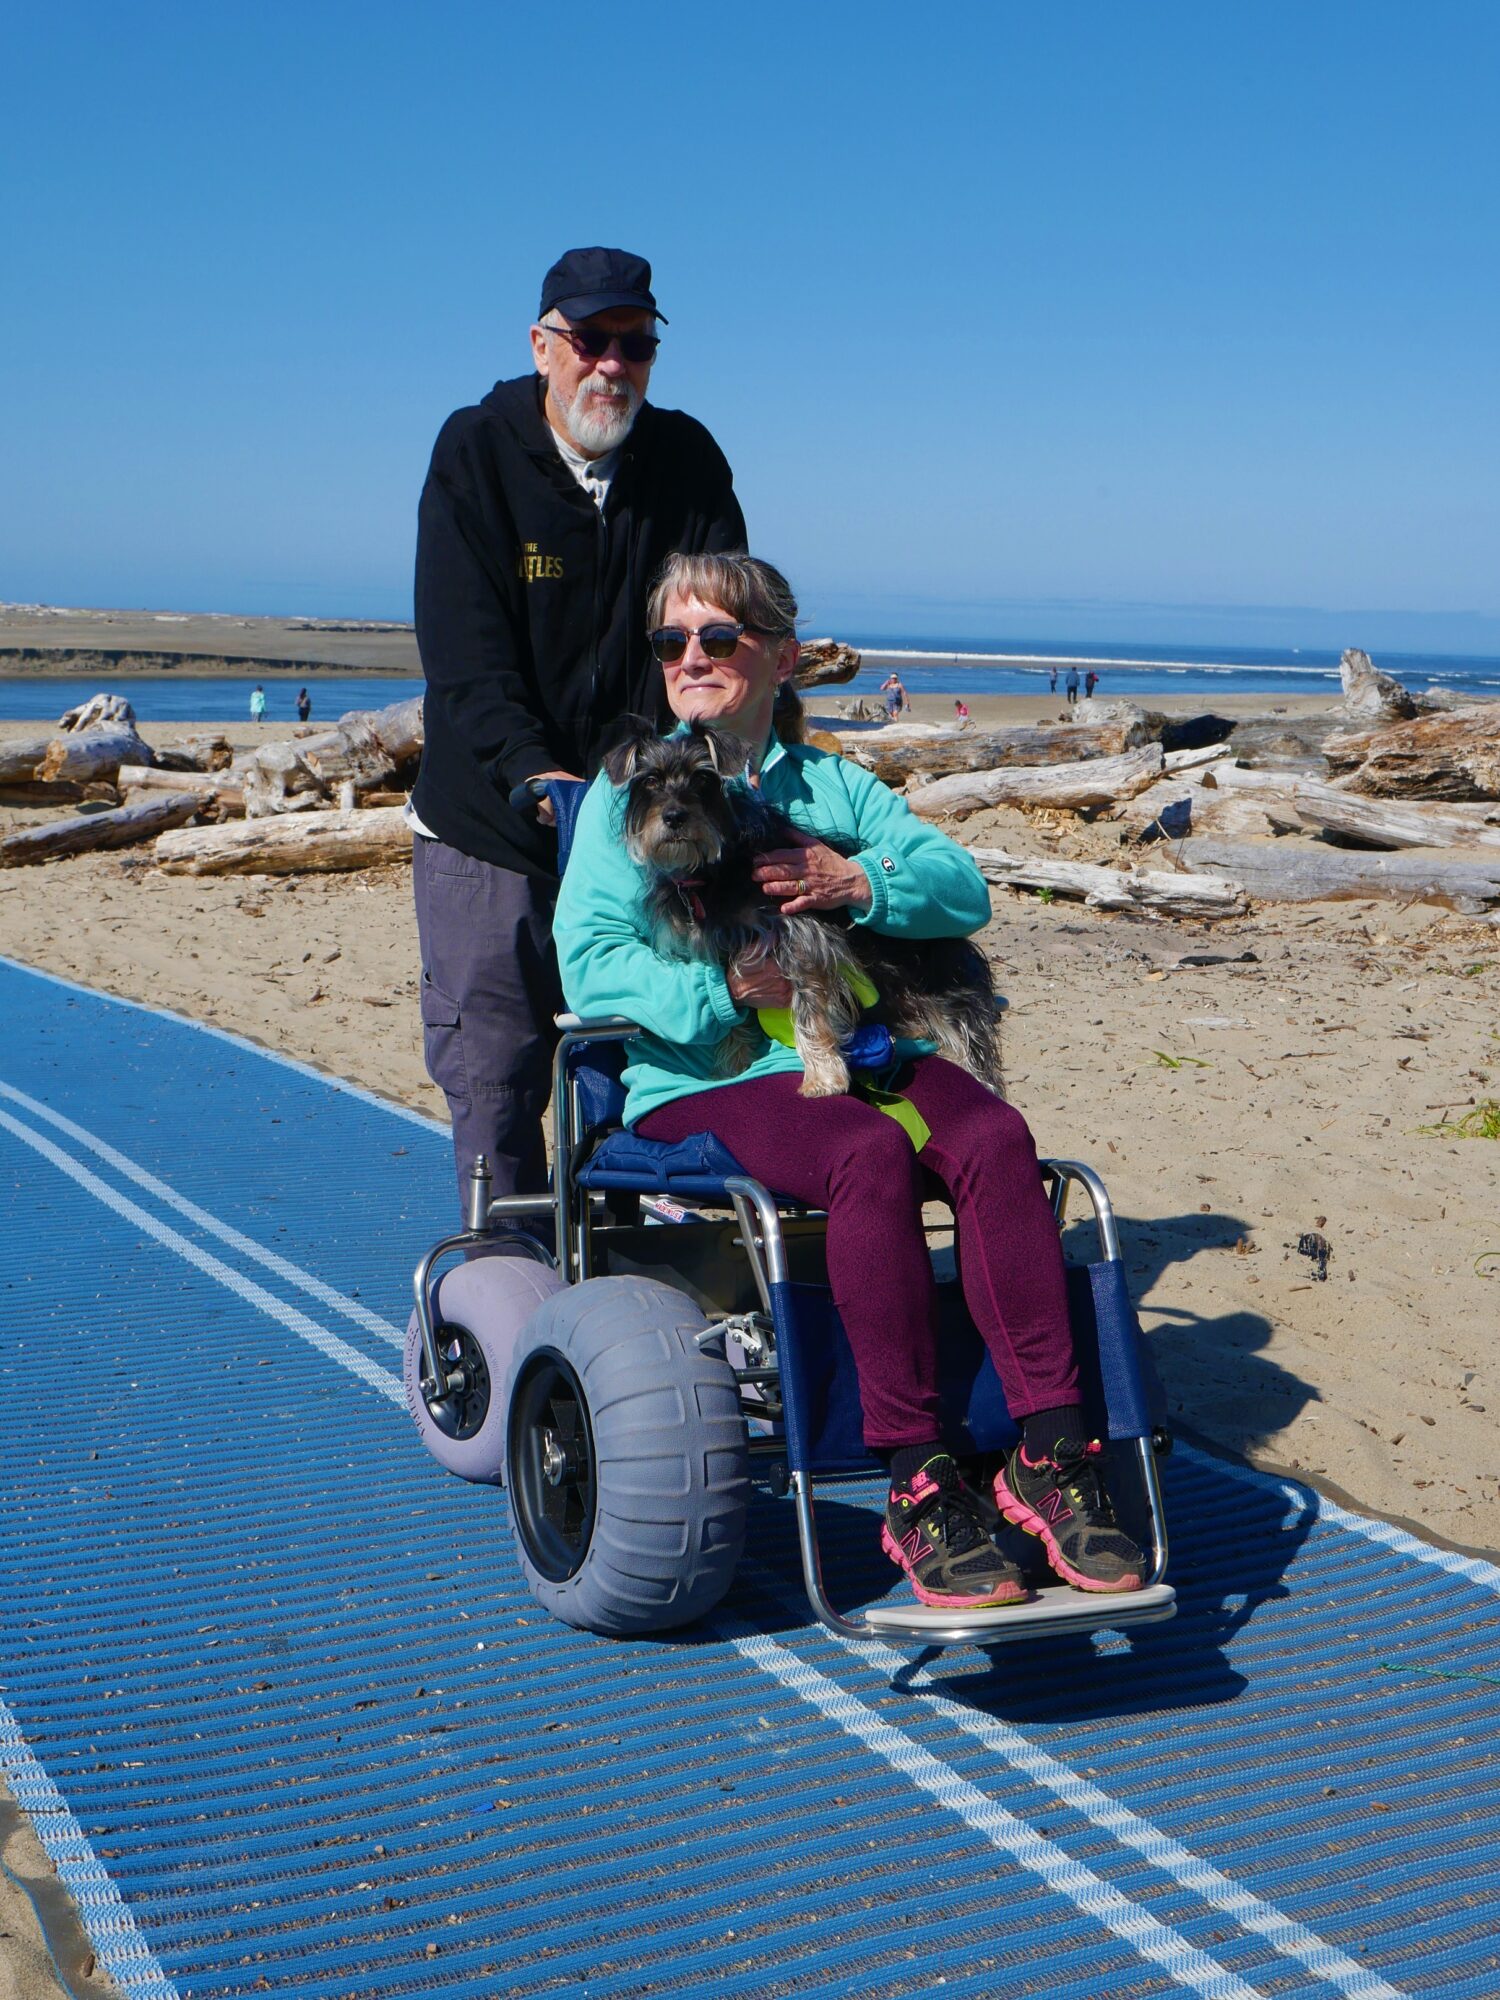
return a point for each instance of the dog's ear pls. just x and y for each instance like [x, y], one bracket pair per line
[631, 735]
[729, 755]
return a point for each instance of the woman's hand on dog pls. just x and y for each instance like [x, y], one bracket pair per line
[812, 877]
[758, 982]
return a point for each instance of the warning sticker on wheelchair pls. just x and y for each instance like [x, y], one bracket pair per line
[288, 1718]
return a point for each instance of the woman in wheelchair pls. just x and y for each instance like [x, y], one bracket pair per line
[724, 631]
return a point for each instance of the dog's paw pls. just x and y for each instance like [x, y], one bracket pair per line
[824, 1079]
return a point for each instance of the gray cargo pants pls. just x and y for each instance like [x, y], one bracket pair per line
[489, 992]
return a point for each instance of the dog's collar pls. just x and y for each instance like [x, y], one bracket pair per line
[687, 887]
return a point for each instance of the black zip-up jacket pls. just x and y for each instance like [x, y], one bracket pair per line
[531, 605]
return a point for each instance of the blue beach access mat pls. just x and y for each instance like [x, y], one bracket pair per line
[288, 1722]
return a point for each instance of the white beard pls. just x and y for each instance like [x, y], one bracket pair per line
[598, 420]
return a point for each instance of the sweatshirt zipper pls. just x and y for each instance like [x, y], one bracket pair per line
[600, 549]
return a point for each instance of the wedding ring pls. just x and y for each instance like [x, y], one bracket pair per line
[801, 885]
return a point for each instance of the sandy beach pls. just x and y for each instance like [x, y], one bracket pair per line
[1232, 1107]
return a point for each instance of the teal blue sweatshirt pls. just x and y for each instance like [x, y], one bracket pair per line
[922, 885]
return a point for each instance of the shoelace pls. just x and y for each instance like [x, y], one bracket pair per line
[957, 1518]
[1079, 1469]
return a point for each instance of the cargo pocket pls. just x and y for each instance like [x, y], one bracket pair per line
[443, 1041]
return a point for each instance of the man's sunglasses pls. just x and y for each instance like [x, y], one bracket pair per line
[594, 342]
[670, 642]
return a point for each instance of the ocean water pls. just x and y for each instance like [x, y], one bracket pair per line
[161, 698]
[928, 667]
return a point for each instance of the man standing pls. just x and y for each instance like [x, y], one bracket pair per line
[1070, 687]
[548, 509]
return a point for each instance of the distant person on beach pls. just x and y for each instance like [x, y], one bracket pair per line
[960, 710]
[1070, 686]
[896, 697]
[1090, 682]
[539, 536]
[304, 704]
[257, 703]
[1052, 681]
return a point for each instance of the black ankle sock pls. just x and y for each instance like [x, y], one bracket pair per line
[1043, 1430]
[907, 1460]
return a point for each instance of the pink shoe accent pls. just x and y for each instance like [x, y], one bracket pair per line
[1004, 1593]
[1016, 1511]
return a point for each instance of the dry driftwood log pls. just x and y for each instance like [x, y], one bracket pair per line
[1371, 697]
[1454, 756]
[1395, 822]
[1232, 815]
[825, 663]
[1085, 787]
[91, 754]
[367, 746]
[898, 753]
[309, 842]
[20, 757]
[1288, 872]
[98, 709]
[197, 753]
[208, 785]
[1116, 888]
[121, 828]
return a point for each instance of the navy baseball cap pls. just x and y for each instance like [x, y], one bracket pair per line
[592, 281]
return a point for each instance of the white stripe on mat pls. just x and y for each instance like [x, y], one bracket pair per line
[285, 1315]
[1219, 1891]
[1096, 1898]
[247, 1246]
[106, 1916]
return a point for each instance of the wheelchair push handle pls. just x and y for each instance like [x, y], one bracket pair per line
[527, 796]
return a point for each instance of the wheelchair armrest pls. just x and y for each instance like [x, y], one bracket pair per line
[607, 1028]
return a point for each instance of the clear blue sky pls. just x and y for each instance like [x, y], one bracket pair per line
[1067, 319]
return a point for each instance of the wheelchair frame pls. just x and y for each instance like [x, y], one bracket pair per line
[578, 1214]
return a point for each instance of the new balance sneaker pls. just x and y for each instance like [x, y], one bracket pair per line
[1062, 1498]
[933, 1531]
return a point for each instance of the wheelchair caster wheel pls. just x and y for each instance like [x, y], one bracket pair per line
[482, 1306]
[779, 1479]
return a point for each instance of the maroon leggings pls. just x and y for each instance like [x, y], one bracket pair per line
[842, 1154]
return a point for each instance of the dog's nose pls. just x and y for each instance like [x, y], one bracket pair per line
[673, 818]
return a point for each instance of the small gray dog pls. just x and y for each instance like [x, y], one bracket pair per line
[699, 838]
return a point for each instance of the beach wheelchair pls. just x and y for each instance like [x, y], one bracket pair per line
[630, 1352]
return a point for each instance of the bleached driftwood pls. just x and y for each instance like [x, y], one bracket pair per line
[1396, 823]
[92, 754]
[310, 842]
[20, 757]
[1190, 760]
[1371, 697]
[120, 828]
[1289, 872]
[1085, 787]
[97, 710]
[1153, 889]
[825, 663]
[196, 753]
[366, 746]
[896, 754]
[208, 785]
[1232, 815]
[1454, 756]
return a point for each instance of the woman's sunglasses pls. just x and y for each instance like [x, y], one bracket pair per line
[596, 341]
[670, 642]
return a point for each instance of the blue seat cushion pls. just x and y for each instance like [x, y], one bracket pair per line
[696, 1167]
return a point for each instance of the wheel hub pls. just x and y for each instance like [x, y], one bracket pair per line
[463, 1410]
[550, 1465]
